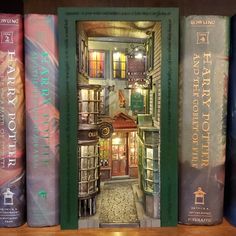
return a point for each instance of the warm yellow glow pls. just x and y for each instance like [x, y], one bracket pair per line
[84, 95]
[139, 90]
[94, 55]
[117, 233]
[119, 65]
[116, 141]
[116, 56]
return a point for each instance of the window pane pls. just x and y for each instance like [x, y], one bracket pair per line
[118, 74]
[119, 65]
[96, 64]
[123, 73]
[102, 56]
[116, 65]
[93, 65]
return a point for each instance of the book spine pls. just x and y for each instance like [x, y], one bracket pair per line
[12, 124]
[203, 109]
[230, 181]
[42, 119]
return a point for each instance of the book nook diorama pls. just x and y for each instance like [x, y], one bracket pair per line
[118, 91]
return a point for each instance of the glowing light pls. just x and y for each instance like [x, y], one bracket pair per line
[116, 56]
[94, 55]
[139, 90]
[116, 141]
[139, 56]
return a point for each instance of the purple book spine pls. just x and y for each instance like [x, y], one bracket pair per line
[42, 119]
[12, 128]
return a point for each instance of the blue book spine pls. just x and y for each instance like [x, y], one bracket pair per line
[230, 185]
[202, 122]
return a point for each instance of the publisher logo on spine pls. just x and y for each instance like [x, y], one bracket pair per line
[8, 197]
[6, 37]
[202, 37]
[199, 196]
[42, 194]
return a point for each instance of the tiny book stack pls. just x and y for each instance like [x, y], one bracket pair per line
[203, 109]
[42, 119]
[12, 128]
[230, 181]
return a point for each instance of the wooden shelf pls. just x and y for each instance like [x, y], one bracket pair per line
[218, 7]
[224, 229]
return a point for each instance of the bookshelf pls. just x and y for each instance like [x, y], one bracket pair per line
[217, 7]
[220, 230]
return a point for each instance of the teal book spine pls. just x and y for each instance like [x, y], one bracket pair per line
[203, 111]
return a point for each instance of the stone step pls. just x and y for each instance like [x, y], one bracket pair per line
[138, 192]
[144, 220]
[89, 222]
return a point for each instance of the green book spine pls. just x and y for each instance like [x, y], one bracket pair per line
[203, 98]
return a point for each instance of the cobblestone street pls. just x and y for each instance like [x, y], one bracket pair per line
[116, 203]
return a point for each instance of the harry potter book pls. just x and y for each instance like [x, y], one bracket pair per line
[42, 119]
[203, 109]
[12, 128]
[230, 175]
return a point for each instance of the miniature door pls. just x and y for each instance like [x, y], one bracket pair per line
[119, 154]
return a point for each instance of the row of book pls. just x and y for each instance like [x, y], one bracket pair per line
[29, 120]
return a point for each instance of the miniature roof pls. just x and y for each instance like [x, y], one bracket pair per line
[123, 121]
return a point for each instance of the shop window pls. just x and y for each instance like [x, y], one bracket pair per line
[105, 151]
[133, 148]
[119, 65]
[97, 64]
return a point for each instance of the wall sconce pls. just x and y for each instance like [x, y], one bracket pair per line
[137, 51]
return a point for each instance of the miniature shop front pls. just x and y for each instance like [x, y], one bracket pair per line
[119, 118]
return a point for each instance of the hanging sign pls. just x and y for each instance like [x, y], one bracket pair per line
[105, 130]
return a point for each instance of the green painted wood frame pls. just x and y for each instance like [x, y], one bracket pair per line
[169, 18]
